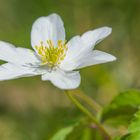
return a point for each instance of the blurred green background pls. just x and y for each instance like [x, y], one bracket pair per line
[31, 109]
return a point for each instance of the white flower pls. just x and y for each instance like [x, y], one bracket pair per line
[53, 58]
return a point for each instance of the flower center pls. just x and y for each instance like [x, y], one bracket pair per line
[50, 54]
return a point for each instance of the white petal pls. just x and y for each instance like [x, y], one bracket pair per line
[91, 38]
[76, 51]
[47, 28]
[79, 47]
[96, 57]
[10, 53]
[10, 71]
[63, 80]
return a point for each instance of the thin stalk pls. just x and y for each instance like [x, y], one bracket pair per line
[85, 111]
[89, 101]
[95, 106]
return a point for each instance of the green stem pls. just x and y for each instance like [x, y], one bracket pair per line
[85, 111]
[91, 102]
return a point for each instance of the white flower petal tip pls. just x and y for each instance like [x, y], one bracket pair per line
[10, 71]
[105, 56]
[106, 59]
[96, 57]
[113, 58]
[107, 30]
[17, 55]
[93, 37]
[104, 31]
[47, 28]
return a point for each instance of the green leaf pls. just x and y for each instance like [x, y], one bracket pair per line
[122, 108]
[133, 136]
[81, 132]
[63, 133]
[133, 129]
[135, 124]
[117, 138]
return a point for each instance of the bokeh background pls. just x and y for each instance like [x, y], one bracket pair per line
[31, 109]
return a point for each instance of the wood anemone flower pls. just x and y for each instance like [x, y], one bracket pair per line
[53, 58]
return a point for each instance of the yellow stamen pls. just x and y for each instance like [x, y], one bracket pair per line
[50, 54]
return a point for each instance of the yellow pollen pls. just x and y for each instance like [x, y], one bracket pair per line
[50, 54]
